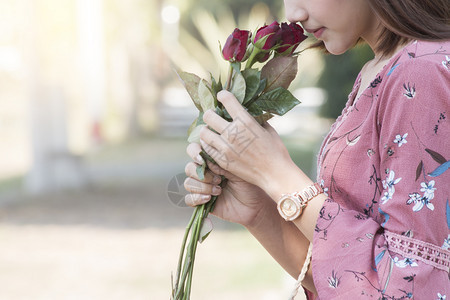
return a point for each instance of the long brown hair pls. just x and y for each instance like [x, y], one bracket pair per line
[411, 19]
[406, 20]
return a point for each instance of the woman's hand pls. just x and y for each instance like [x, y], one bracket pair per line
[238, 201]
[246, 149]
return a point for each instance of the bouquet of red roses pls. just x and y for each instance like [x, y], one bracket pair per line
[263, 92]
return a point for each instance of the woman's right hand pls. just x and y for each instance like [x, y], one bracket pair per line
[238, 201]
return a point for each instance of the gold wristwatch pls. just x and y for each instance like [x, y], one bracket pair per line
[290, 206]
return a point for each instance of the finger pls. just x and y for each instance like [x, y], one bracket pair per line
[193, 150]
[195, 186]
[215, 121]
[234, 108]
[219, 156]
[210, 177]
[196, 199]
[212, 143]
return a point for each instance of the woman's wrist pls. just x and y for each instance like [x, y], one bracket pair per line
[288, 179]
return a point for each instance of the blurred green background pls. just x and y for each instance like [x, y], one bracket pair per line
[93, 134]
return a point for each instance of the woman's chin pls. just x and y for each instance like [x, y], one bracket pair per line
[336, 49]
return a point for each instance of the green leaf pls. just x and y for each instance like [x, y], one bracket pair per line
[280, 71]
[194, 136]
[255, 110]
[207, 157]
[238, 85]
[191, 83]
[226, 115]
[215, 86]
[262, 86]
[197, 121]
[207, 227]
[278, 101]
[201, 171]
[207, 100]
[252, 81]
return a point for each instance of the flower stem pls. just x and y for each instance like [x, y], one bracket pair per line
[183, 246]
[180, 284]
[230, 76]
[196, 235]
[251, 60]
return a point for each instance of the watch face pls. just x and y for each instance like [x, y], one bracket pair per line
[289, 208]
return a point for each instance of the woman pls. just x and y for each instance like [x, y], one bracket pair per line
[379, 223]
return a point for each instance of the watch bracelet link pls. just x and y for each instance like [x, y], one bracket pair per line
[309, 192]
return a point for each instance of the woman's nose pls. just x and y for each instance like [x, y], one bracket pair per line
[295, 11]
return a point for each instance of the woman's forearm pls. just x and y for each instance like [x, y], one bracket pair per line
[283, 240]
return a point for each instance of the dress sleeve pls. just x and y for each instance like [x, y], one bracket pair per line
[404, 253]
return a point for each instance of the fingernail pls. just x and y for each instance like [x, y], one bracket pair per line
[205, 197]
[216, 190]
[217, 179]
[199, 159]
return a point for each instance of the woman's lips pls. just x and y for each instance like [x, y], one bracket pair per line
[316, 32]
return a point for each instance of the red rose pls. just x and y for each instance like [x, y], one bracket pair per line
[236, 45]
[272, 36]
[291, 36]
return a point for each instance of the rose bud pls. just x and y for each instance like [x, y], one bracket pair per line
[267, 36]
[291, 36]
[236, 45]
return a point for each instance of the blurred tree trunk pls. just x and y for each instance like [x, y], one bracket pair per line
[339, 76]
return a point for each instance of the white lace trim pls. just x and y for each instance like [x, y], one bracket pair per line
[420, 250]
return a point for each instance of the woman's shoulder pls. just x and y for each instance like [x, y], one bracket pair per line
[423, 55]
[417, 77]
[420, 60]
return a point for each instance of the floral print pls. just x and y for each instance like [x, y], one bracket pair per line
[400, 140]
[420, 201]
[446, 62]
[385, 165]
[441, 297]
[446, 245]
[388, 185]
[403, 263]
[428, 189]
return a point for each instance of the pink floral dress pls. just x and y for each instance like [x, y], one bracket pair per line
[384, 232]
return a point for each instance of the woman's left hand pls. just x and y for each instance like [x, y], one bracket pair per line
[252, 152]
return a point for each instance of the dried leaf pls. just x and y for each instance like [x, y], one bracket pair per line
[238, 86]
[207, 227]
[261, 119]
[191, 82]
[280, 71]
[206, 98]
[436, 156]
[194, 137]
[196, 122]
